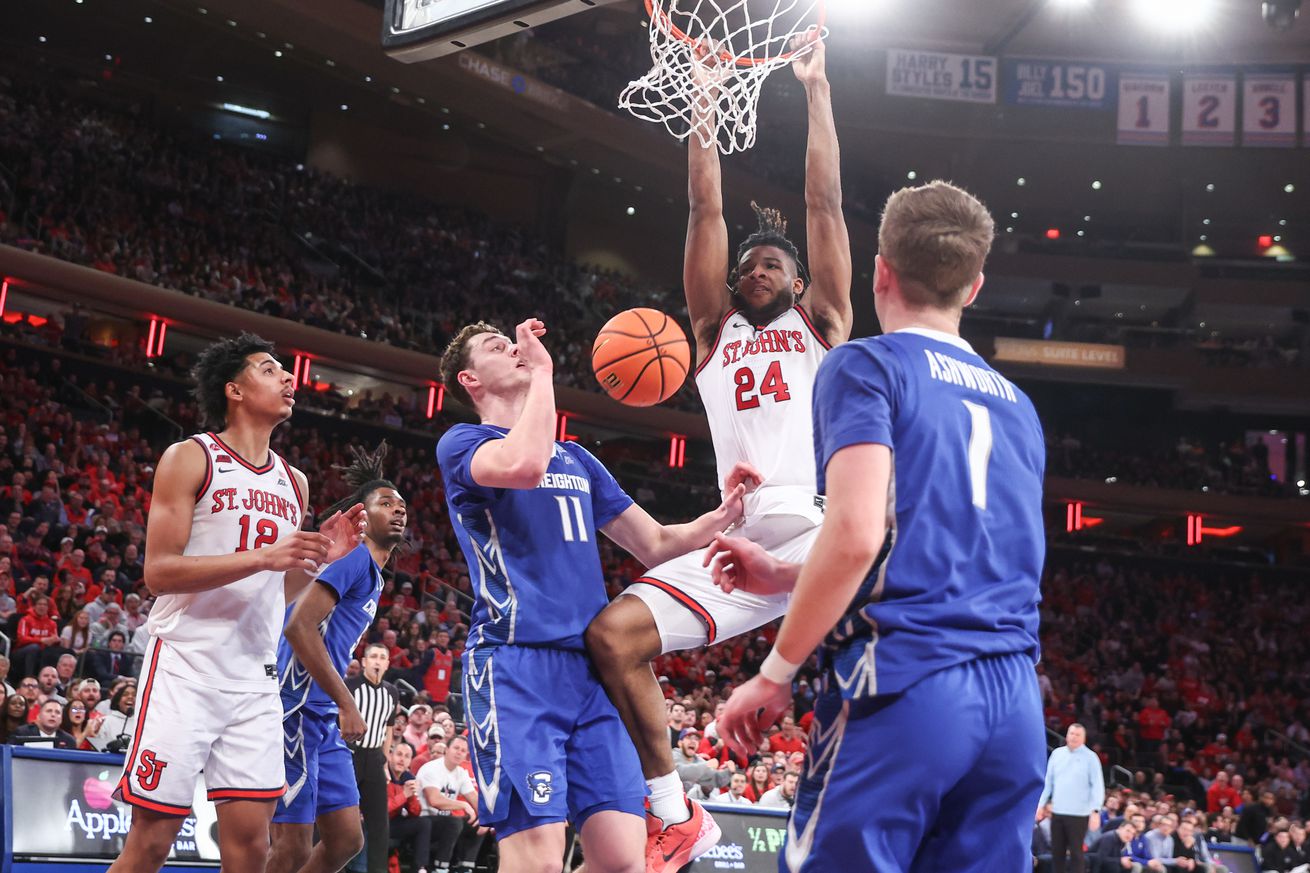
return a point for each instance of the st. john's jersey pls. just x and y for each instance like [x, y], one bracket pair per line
[227, 637]
[757, 384]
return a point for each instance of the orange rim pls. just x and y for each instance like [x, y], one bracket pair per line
[667, 25]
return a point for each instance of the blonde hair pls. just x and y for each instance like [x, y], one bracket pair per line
[935, 237]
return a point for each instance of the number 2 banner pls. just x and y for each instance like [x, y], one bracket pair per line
[1269, 110]
[1209, 109]
[1144, 109]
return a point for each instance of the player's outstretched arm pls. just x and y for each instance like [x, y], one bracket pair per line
[705, 259]
[306, 641]
[653, 543]
[521, 458]
[178, 476]
[854, 524]
[828, 242]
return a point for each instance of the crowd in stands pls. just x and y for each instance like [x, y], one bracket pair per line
[100, 186]
[1231, 467]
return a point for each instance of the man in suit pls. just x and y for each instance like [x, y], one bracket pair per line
[45, 730]
[108, 664]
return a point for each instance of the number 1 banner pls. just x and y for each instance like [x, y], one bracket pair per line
[1269, 110]
[1209, 109]
[1144, 109]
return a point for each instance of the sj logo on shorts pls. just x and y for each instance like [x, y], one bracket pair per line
[541, 784]
[149, 771]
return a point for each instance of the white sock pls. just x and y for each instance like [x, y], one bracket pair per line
[668, 802]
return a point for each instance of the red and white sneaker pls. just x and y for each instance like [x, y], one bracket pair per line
[670, 849]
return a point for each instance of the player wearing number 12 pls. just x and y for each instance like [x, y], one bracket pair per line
[929, 699]
[224, 552]
[759, 340]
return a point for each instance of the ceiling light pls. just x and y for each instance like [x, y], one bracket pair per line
[1282, 222]
[632, 210]
[1014, 215]
[218, 78]
[1082, 233]
[345, 106]
[1205, 221]
[368, 78]
[202, 10]
[1209, 186]
[246, 110]
[40, 39]
[1175, 16]
[1096, 184]
[1009, 230]
[330, 62]
[277, 54]
[1087, 218]
[109, 57]
[149, 20]
[1021, 181]
[445, 127]
[231, 23]
[911, 175]
[1204, 237]
[1289, 188]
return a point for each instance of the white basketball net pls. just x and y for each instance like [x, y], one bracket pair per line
[716, 96]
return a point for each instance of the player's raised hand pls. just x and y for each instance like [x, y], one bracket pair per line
[739, 563]
[708, 69]
[302, 550]
[352, 724]
[809, 66]
[344, 530]
[751, 710]
[531, 352]
[743, 473]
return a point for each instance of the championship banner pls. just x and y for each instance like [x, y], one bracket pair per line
[941, 76]
[1209, 109]
[1269, 110]
[1057, 354]
[1058, 84]
[1144, 109]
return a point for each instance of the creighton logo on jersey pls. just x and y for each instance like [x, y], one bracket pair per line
[542, 785]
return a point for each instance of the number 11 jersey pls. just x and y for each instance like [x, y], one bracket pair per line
[756, 384]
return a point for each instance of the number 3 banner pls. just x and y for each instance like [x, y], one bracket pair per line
[1144, 109]
[1209, 109]
[1269, 109]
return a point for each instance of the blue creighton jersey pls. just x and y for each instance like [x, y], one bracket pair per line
[531, 554]
[966, 541]
[357, 583]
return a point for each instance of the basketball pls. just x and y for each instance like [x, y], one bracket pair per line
[641, 357]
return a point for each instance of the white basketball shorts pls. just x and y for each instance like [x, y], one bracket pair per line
[691, 611]
[185, 727]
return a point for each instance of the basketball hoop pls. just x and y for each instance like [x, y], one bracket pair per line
[711, 59]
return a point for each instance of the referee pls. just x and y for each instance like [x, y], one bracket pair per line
[377, 701]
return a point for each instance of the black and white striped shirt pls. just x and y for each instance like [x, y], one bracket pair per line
[377, 704]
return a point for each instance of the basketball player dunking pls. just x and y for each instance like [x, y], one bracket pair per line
[759, 342]
[224, 551]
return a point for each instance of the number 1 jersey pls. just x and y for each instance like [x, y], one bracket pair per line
[756, 385]
[963, 560]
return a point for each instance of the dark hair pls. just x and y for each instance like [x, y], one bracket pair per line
[118, 697]
[456, 358]
[771, 231]
[217, 365]
[363, 475]
[117, 633]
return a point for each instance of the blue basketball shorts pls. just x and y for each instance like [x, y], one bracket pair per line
[320, 772]
[942, 776]
[547, 744]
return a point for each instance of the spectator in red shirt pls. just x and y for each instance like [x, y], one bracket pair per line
[403, 807]
[37, 632]
[757, 782]
[436, 666]
[1152, 722]
[789, 739]
[1221, 794]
